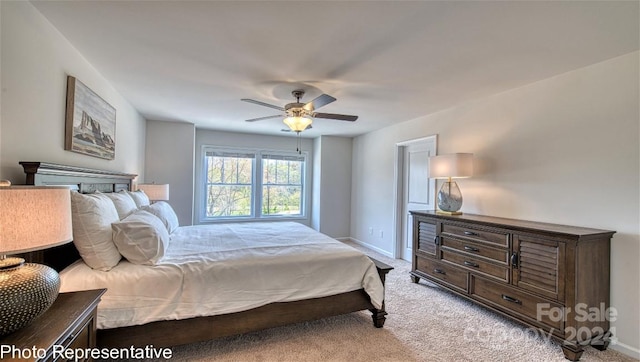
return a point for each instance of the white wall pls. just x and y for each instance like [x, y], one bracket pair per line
[243, 140]
[170, 152]
[36, 60]
[0, 92]
[563, 150]
[332, 186]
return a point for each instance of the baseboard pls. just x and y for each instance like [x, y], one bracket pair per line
[368, 246]
[624, 349]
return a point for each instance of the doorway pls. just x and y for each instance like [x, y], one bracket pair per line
[414, 189]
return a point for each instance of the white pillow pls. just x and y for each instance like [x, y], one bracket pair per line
[92, 215]
[123, 202]
[140, 198]
[164, 212]
[141, 238]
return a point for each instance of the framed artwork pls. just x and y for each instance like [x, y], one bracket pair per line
[90, 124]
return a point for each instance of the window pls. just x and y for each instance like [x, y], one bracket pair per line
[282, 185]
[229, 185]
[253, 184]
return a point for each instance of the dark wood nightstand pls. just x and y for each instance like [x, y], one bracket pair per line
[70, 323]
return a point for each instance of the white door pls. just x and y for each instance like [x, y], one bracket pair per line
[418, 189]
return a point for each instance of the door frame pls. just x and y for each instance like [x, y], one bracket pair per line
[398, 186]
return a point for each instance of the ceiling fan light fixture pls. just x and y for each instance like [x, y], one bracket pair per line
[297, 124]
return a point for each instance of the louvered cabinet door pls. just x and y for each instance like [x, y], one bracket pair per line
[426, 242]
[538, 265]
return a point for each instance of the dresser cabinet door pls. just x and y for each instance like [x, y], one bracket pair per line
[537, 265]
[425, 244]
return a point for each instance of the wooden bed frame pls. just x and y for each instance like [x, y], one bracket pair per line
[177, 332]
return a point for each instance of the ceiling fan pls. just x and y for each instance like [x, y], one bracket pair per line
[299, 115]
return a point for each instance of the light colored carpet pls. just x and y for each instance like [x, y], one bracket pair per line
[424, 323]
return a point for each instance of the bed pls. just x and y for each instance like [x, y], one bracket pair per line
[216, 316]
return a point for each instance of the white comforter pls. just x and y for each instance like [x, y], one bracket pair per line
[226, 268]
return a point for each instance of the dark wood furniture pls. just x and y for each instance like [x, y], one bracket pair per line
[176, 332]
[70, 323]
[553, 278]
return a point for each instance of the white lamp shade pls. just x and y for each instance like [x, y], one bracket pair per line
[33, 218]
[155, 192]
[455, 165]
[297, 124]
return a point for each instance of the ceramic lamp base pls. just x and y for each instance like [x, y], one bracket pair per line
[26, 291]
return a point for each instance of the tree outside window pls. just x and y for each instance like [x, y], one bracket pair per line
[253, 184]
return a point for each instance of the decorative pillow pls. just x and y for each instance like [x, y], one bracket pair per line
[92, 215]
[141, 238]
[123, 202]
[164, 212]
[140, 198]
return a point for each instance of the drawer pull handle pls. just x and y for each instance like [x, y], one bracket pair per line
[470, 233]
[470, 263]
[511, 299]
[69, 339]
[471, 248]
[439, 271]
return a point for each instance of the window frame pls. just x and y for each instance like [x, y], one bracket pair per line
[257, 185]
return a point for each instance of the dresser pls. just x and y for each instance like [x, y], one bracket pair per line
[69, 324]
[554, 278]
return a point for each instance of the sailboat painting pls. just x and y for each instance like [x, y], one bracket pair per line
[90, 126]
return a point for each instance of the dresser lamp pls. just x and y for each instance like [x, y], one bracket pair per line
[31, 218]
[456, 165]
[155, 192]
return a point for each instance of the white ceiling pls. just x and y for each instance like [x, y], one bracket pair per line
[388, 62]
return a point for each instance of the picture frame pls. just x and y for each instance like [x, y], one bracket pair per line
[90, 122]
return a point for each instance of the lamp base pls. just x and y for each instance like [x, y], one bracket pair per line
[448, 212]
[449, 199]
[26, 291]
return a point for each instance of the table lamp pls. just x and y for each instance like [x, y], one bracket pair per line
[31, 218]
[456, 165]
[155, 192]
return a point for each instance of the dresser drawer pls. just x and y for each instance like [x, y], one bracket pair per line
[513, 300]
[496, 237]
[81, 337]
[447, 274]
[477, 265]
[497, 254]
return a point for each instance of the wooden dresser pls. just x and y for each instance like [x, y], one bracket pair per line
[69, 324]
[554, 278]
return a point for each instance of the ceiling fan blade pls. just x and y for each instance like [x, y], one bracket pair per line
[263, 118]
[262, 104]
[340, 117]
[319, 101]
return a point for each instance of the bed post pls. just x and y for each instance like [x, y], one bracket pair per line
[378, 315]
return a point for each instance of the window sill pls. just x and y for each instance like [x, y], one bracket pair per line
[261, 219]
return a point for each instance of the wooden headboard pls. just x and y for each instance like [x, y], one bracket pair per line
[84, 180]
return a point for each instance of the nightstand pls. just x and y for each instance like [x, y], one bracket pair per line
[69, 323]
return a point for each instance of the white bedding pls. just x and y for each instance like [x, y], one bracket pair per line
[226, 268]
